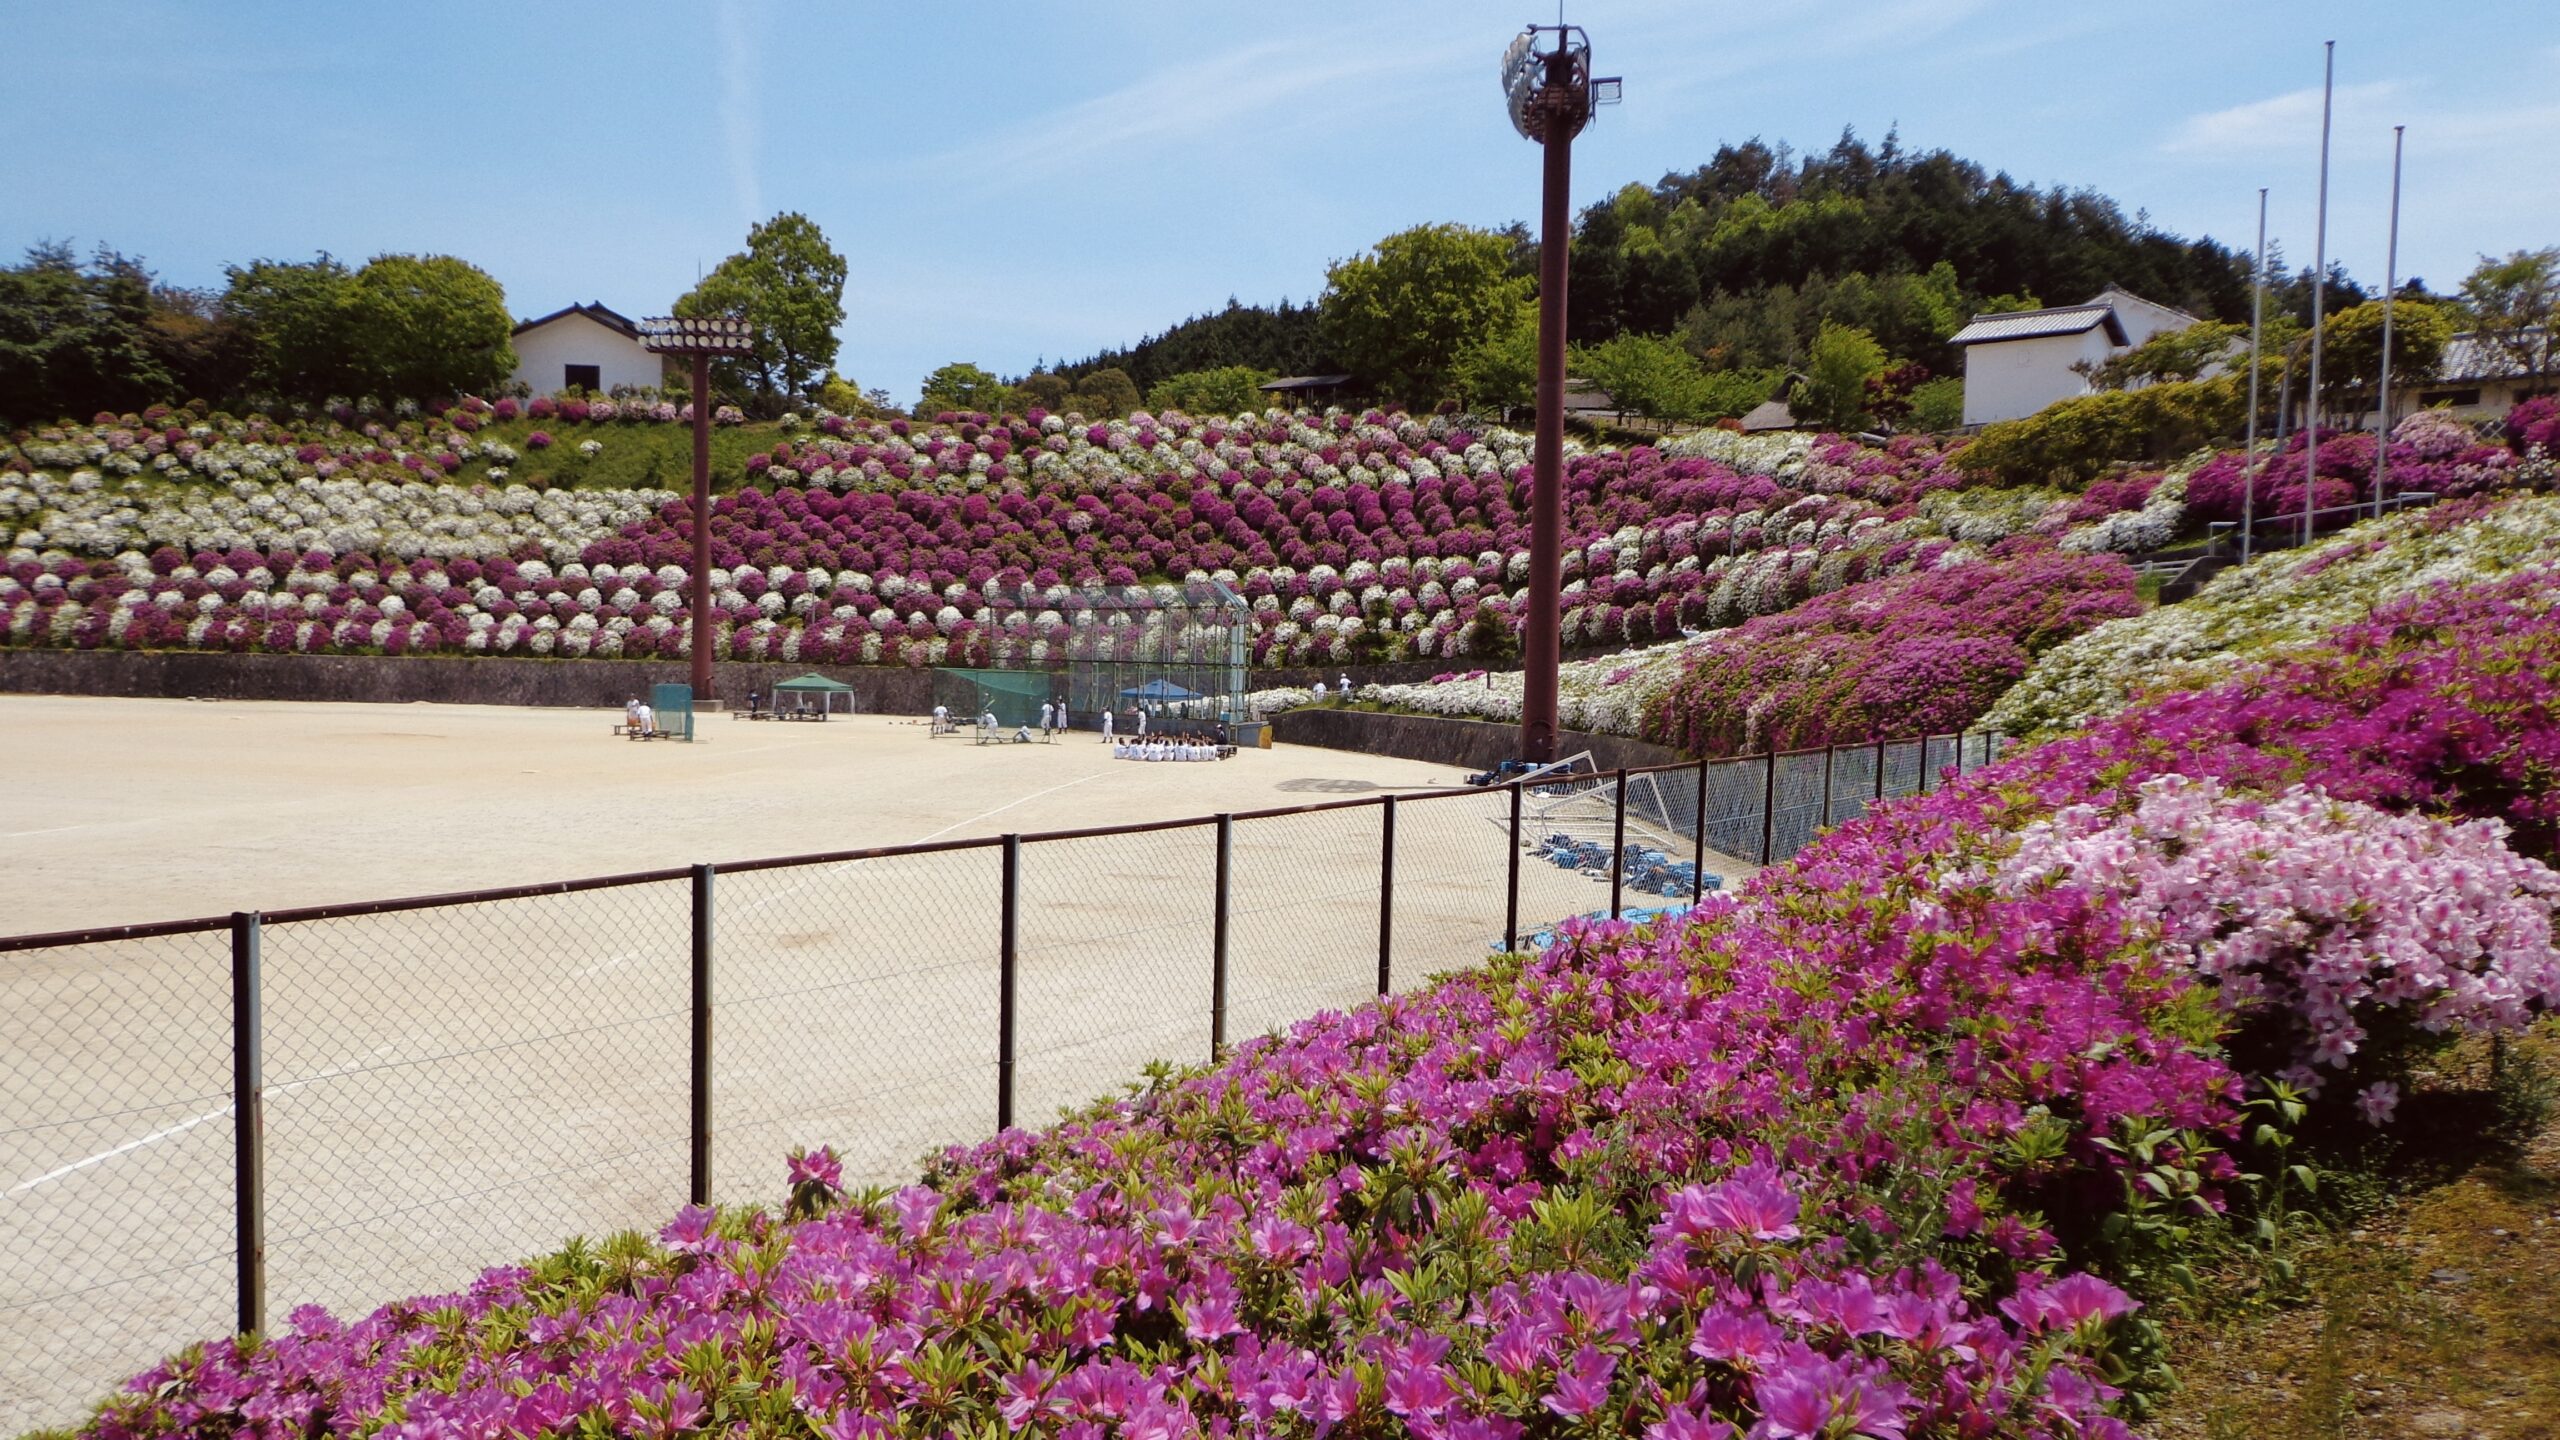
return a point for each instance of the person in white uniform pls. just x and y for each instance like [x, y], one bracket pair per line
[646, 718]
[1106, 727]
[1048, 717]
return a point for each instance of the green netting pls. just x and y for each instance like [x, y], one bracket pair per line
[672, 705]
[1014, 695]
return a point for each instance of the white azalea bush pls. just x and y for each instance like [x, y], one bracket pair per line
[2277, 601]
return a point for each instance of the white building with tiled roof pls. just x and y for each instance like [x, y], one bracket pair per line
[586, 346]
[2019, 362]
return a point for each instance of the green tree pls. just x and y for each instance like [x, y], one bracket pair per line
[431, 326]
[1842, 360]
[1498, 372]
[788, 284]
[2352, 345]
[2514, 308]
[1043, 389]
[1227, 390]
[74, 339]
[962, 386]
[304, 327]
[1648, 375]
[1105, 394]
[1402, 314]
[2170, 355]
[1937, 406]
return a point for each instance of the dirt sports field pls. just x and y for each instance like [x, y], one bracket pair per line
[455, 1087]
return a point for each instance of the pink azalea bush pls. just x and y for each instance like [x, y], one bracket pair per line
[2430, 452]
[1919, 653]
[2332, 926]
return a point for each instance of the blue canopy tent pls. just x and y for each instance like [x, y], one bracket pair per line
[1159, 692]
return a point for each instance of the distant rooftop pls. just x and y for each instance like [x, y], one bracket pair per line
[593, 310]
[2039, 324]
[1293, 383]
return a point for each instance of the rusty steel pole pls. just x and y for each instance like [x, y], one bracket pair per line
[1562, 107]
[701, 528]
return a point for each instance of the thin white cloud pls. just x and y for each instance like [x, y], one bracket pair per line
[1192, 103]
[740, 120]
[2280, 123]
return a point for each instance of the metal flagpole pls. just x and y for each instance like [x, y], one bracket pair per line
[2319, 297]
[2257, 327]
[2390, 283]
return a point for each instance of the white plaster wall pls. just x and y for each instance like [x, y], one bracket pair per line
[2007, 379]
[544, 352]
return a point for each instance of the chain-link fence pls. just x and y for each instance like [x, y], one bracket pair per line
[208, 1124]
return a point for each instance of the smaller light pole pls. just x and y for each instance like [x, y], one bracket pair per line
[702, 340]
[2319, 300]
[2390, 283]
[2257, 328]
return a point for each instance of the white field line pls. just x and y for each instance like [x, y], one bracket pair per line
[182, 1127]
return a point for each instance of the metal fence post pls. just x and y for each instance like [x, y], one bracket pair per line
[248, 1122]
[1618, 851]
[1386, 894]
[1511, 891]
[1879, 769]
[1218, 939]
[1698, 833]
[1828, 757]
[1007, 948]
[1769, 810]
[701, 1119]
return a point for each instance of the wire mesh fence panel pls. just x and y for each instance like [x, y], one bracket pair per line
[1796, 813]
[1853, 782]
[1566, 829]
[1937, 757]
[1662, 848]
[465, 1086]
[855, 1006]
[1453, 855]
[115, 1165]
[1972, 752]
[1115, 963]
[1303, 917]
[1901, 768]
[1736, 790]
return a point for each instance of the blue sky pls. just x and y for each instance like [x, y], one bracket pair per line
[1047, 177]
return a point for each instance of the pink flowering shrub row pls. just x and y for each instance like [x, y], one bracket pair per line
[2430, 452]
[1918, 653]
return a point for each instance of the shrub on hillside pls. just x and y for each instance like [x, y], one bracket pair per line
[2072, 441]
[1921, 653]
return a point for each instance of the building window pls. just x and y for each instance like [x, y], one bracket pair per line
[2450, 397]
[584, 377]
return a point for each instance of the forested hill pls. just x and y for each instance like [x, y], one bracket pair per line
[1744, 257]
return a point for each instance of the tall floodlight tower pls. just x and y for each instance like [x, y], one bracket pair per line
[703, 340]
[1551, 93]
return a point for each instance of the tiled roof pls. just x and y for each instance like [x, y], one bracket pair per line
[593, 310]
[2470, 358]
[2038, 324]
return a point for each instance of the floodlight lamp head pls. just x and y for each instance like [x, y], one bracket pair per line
[1549, 92]
[705, 335]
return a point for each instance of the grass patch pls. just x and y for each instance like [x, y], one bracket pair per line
[2433, 1312]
